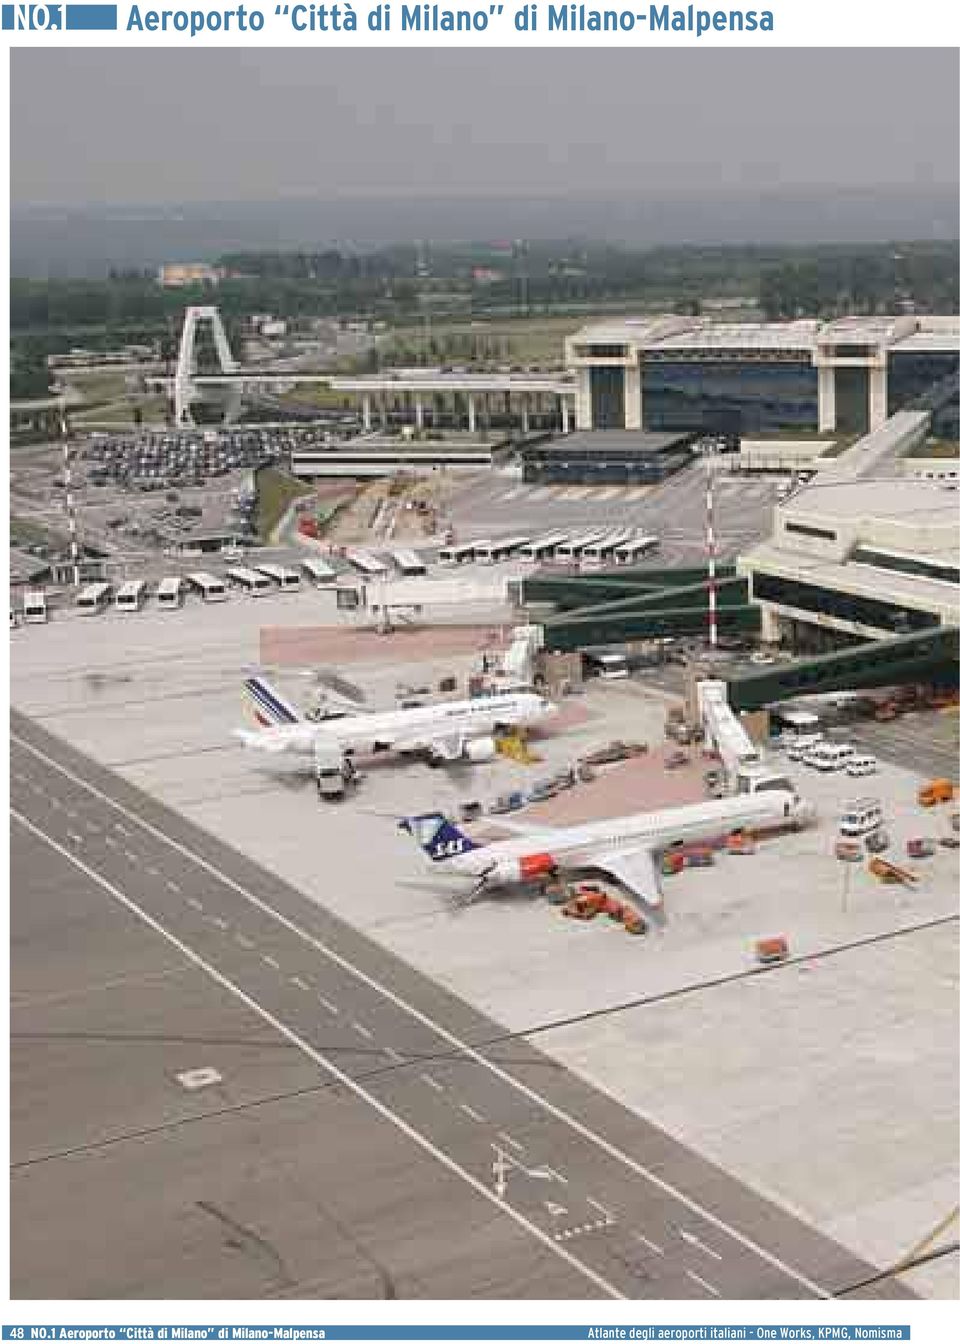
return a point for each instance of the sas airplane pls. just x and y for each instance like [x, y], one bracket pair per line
[452, 730]
[624, 848]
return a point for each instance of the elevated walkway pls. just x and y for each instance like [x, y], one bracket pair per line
[929, 655]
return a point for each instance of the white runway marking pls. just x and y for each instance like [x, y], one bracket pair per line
[714, 1292]
[330, 1007]
[474, 1115]
[271, 961]
[196, 904]
[109, 840]
[467, 1051]
[395, 1055]
[129, 854]
[244, 941]
[172, 886]
[77, 839]
[691, 1240]
[510, 1141]
[652, 1245]
[363, 1031]
[219, 923]
[300, 984]
[321, 1060]
[432, 1082]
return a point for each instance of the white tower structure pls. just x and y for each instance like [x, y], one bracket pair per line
[185, 390]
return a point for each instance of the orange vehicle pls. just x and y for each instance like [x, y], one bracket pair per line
[935, 791]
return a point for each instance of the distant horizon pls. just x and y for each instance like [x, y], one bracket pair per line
[73, 241]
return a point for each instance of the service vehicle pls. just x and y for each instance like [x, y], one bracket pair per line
[861, 816]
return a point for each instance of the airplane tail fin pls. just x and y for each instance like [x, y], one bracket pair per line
[437, 836]
[269, 707]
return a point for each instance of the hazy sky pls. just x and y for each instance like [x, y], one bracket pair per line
[170, 125]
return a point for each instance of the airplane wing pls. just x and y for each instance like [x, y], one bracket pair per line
[635, 869]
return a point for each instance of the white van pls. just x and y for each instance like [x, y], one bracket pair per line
[861, 817]
[803, 746]
[862, 765]
[830, 756]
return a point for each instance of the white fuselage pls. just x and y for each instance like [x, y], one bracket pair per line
[412, 729]
[582, 846]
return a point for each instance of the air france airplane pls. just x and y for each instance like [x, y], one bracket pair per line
[453, 730]
[624, 848]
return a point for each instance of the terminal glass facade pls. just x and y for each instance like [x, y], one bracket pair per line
[911, 373]
[606, 397]
[744, 396]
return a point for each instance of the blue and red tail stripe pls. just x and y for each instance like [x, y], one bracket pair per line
[269, 709]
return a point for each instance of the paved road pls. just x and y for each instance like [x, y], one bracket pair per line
[548, 1174]
[674, 511]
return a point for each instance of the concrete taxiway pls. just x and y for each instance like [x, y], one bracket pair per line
[368, 1133]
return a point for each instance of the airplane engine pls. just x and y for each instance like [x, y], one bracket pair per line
[528, 868]
[480, 749]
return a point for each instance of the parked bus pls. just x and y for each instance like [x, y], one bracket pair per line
[631, 551]
[604, 549]
[319, 572]
[250, 580]
[34, 606]
[95, 597]
[568, 552]
[286, 579]
[492, 552]
[458, 555]
[408, 563]
[542, 548]
[131, 595]
[368, 565]
[170, 593]
[210, 588]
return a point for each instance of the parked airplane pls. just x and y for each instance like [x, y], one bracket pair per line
[625, 848]
[451, 730]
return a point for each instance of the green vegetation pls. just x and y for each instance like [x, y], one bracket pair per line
[276, 491]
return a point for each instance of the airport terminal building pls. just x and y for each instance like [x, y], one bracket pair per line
[852, 559]
[674, 373]
[678, 375]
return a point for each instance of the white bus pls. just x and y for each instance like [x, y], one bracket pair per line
[569, 551]
[458, 555]
[637, 549]
[319, 572]
[492, 552]
[286, 579]
[210, 588]
[368, 565]
[543, 547]
[170, 593]
[95, 597]
[131, 595]
[250, 580]
[408, 563]
[34, 606]
[605, 549]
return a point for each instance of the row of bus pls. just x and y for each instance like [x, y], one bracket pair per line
[405, 563]
[620, 546]
[171, 592]
[254, 580]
